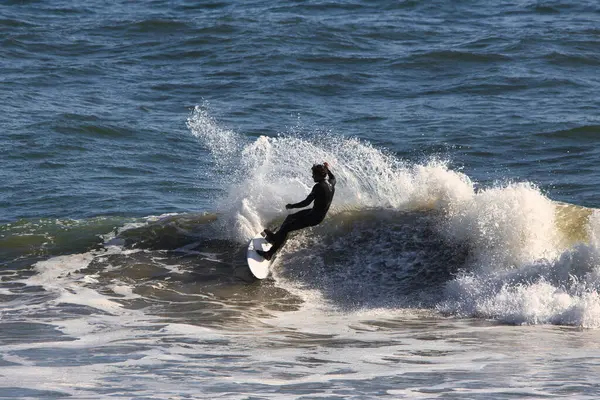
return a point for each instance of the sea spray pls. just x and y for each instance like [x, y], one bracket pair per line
[222, 143]
[501, 251]
[268, 172]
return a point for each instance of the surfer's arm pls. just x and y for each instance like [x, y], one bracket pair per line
[304, 202]
[331, 177]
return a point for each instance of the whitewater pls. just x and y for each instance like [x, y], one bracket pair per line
[527, 259]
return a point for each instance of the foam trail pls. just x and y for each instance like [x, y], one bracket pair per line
[63, 277]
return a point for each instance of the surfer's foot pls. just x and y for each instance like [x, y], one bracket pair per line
[264, 254]
[269, 236]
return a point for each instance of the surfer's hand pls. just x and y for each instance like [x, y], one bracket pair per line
[288, 206]
[326, 164]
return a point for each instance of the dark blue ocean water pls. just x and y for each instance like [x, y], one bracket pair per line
[95, 95]
[142, 144]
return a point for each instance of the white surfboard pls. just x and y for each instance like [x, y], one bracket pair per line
[258, 265]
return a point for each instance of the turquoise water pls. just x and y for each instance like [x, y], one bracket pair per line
[143, 143]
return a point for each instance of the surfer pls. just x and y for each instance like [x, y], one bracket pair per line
[322, 194]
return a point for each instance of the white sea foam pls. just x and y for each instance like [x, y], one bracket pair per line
[505, 225]
[64, 277]
[531, 281]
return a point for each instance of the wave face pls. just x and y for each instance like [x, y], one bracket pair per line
[418, 235]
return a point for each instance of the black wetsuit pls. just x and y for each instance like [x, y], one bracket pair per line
[322, 194]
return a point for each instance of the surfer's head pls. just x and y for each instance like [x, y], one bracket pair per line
[319, 172]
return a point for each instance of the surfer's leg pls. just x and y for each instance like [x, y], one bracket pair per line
[294, 218]
[271, 237]
[301, 220]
